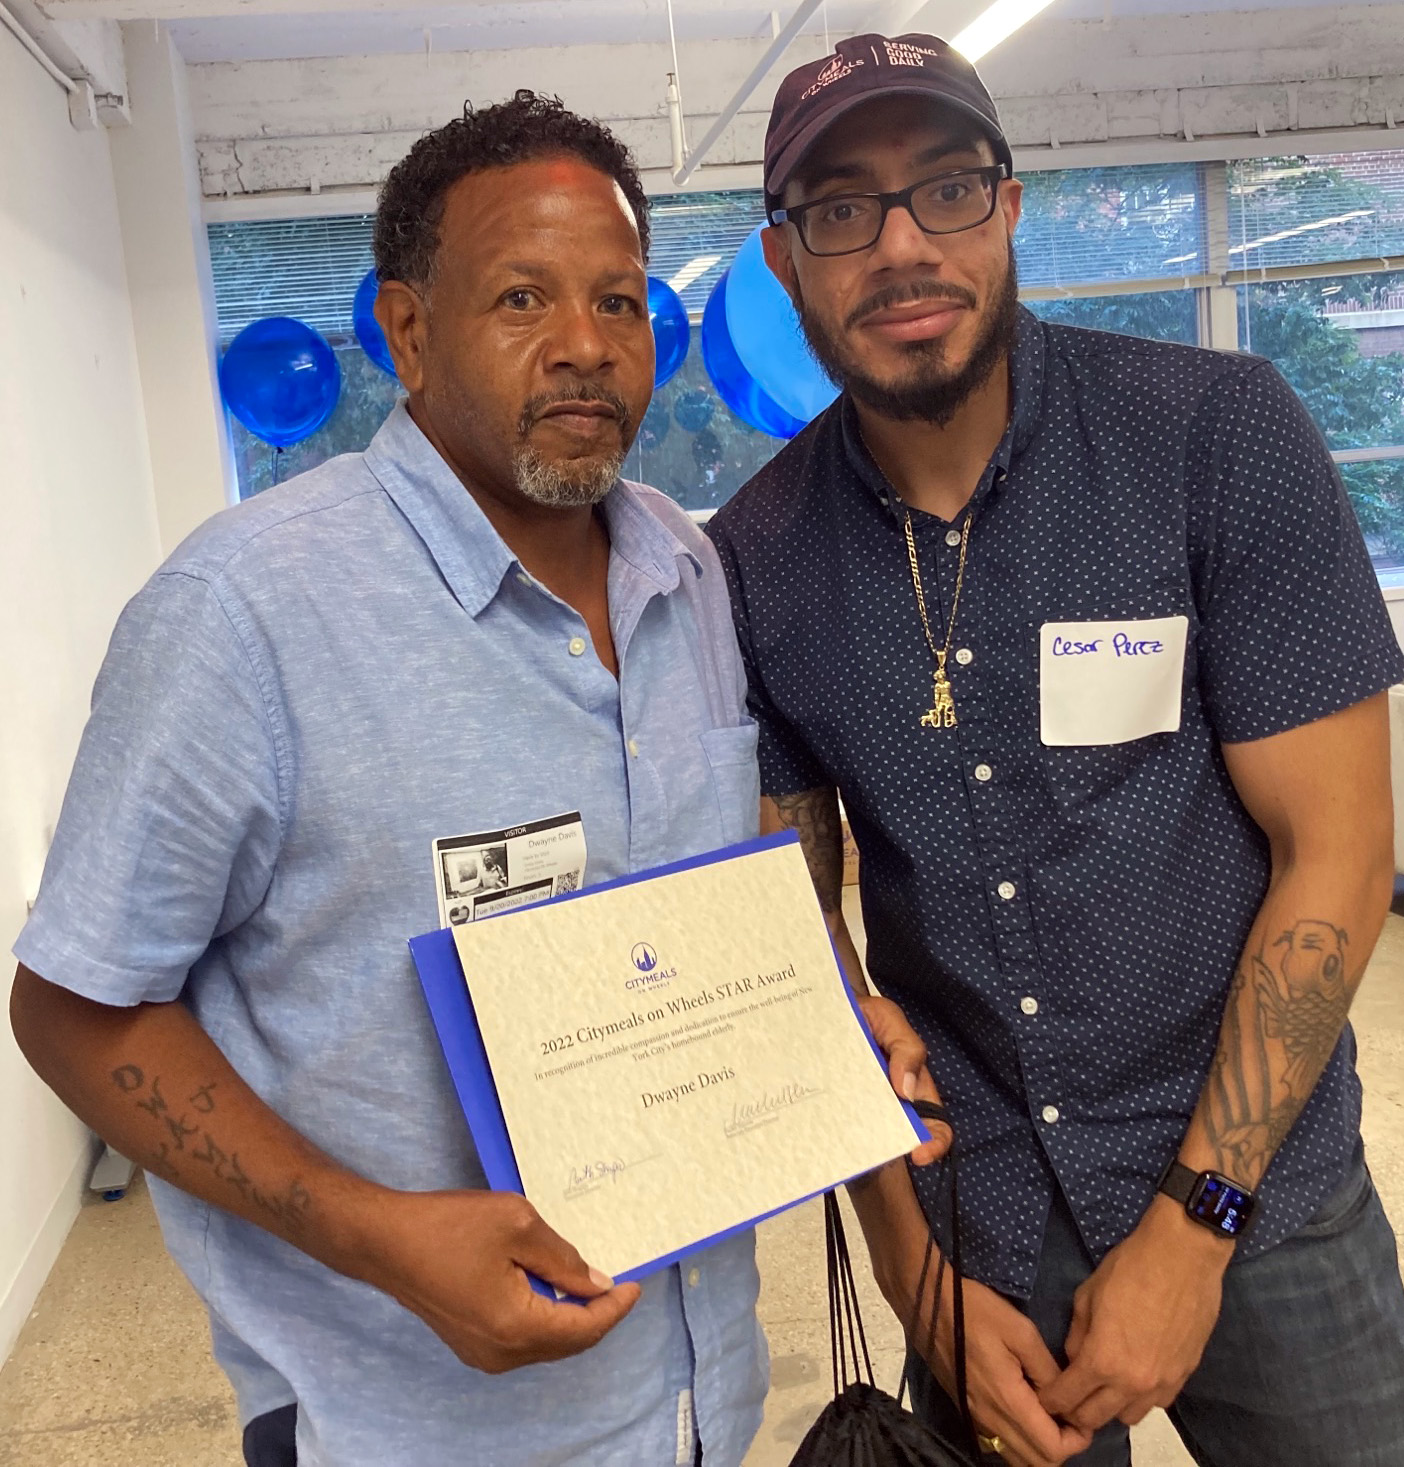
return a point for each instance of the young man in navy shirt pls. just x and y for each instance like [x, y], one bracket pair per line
[1084, 633]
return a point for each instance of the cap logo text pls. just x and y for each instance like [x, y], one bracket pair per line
[836, 70]
[908, 55]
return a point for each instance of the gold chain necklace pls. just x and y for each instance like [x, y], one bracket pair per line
[942, 712]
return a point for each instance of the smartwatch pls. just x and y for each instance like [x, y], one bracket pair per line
[1210, 1198]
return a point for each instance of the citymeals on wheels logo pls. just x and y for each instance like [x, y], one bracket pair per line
[645, 961]
[837, 68]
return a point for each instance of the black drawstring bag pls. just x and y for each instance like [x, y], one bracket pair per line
[864, 1426]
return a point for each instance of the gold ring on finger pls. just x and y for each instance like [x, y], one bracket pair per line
[991, 1444]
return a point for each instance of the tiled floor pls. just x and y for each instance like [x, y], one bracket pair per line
[113, 1369]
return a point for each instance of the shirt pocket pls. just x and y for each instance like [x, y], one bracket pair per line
[732, 760]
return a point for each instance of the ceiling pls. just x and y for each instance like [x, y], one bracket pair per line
[496, 27]
[254, 34]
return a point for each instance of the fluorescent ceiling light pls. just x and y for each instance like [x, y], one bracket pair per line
[1254, 244]
[693, 270]
[994, 25]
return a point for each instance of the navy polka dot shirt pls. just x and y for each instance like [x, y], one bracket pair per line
[1061, 924]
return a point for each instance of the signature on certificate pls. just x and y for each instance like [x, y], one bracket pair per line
[587, 1175]
[746, 1115]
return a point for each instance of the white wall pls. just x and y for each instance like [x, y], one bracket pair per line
[172, 292]
[78, 535]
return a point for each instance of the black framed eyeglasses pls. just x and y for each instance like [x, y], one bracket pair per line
[843, 224]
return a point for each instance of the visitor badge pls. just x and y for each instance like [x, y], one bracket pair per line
[496, 870]
[1109, 682]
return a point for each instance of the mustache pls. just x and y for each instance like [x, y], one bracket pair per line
[902, 295]
[580, 392]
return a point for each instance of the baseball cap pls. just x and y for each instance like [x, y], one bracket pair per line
[814, 96]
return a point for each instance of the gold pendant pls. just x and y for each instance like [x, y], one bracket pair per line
[942, 712]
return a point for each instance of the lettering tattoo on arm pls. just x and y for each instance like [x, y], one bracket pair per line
[1285, 1013]
[155, 1103]
[291, 1206]
[815, 815]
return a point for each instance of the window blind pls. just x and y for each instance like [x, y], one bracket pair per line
[1315, 210]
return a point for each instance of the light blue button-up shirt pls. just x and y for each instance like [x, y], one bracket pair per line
[314, 687]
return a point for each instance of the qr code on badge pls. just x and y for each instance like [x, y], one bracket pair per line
[567, 881]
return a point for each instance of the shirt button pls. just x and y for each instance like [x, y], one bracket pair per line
[1029, 1005]
[965, 656]
[577, 646]
[983, 772]
[1050, 1114]
[1006, 890]
[634, 747]
[952, 537]
[694, 1277]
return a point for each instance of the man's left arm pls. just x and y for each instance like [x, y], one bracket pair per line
[1321, 794]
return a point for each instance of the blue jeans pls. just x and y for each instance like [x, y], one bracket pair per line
[1305, 1367]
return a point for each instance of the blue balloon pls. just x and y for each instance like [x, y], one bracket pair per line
[766, 332]
[368, 331]
[671, 332]
[280, 379]
[737, 388]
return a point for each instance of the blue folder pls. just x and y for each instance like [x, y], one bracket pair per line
[451, 1007]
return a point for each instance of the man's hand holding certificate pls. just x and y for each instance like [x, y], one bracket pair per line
[674, 1056]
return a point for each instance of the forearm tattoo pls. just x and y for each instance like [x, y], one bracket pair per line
[1285, 1012]
[187, 1145]
[815, 815]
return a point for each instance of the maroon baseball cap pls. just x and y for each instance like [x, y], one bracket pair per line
[814, 96]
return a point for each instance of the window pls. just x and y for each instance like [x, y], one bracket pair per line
[1080, 227]
[1164, 315]
[307, 268]
[1287, 212]
[691, 446]
[1324, 236]
[1085, 226]
[1339, 340]
[1311, 249]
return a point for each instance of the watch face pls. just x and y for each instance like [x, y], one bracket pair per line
[1218, 1203]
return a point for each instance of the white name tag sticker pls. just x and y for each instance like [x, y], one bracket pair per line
[1109, 682]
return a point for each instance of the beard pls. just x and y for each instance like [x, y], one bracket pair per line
[571, 483]
[928, 390]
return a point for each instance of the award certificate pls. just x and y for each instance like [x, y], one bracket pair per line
[664, 1059]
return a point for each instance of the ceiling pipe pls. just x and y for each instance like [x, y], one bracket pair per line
[36, 50]
[773, 52]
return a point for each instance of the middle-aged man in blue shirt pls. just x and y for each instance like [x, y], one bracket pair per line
[473, 625]
[1083, 630]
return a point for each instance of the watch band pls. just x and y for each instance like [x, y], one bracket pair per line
[1177, 1181]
